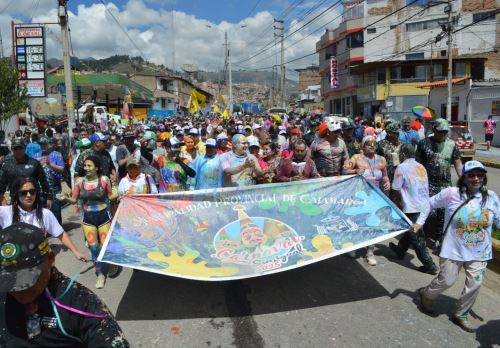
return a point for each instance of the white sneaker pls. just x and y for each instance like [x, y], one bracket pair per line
[101, 279]
[370, 258]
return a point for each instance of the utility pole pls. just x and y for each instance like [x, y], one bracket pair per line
[230, 74]
[173, 39]
[1, 45]
[449, 29]
[281, 33]
[271, 97]
[70, 109]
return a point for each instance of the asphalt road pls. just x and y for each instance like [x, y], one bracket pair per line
[340, 302]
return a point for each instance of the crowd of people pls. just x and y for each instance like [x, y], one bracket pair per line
[408, 163]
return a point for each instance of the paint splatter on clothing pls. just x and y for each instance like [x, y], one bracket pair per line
[372, 169]
[437, 158]
[172, 177]
[329, 157]
[391, 154]
[92, 332]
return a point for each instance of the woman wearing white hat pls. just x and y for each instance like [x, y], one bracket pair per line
[470, 211]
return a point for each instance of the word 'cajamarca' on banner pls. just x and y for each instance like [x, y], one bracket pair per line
[235, 233]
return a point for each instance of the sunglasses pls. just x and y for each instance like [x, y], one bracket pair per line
[370, 143]
[24, 193]
[473, 175]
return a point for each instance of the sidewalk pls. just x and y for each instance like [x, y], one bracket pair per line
[488, 158]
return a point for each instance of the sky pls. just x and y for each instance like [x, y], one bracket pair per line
[180, 32]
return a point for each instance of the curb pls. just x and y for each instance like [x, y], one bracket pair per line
[488, 163]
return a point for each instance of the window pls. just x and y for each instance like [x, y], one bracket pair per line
[407, 72]
[371, 30]
[163, 105]
[355, 40]
[477, 71]
[484, 16]
[414, 56]
[425, 25]
[443, 53]
[459, 69]
[417, 3]
[437, 71]
[354, 12]
[396, 73]
[381, 75]
[422, 72]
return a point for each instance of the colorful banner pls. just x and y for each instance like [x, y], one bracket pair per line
[235, 233]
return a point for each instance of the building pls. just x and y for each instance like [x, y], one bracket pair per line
[311, 98]
[308, 77]
[343, 47]
[172, 94]
[104, 89]
[404, 55]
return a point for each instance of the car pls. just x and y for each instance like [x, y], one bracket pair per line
[462, 136]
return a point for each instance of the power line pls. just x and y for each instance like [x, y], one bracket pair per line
[267, 47]
[123, 29]
[7, 6]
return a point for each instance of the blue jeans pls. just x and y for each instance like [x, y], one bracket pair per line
[56, 207]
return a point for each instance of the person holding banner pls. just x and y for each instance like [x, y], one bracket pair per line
[239, 168]
[207, 167]
[373, 168]
[298, 167]
[173, 171]
[328, 150]
[94, 190]
[470, 212]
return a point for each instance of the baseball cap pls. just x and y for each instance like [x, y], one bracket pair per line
[194, 131]
[348, 123]
[43, 141]
[392, 127]
[85, 142]
[471, 165]
[23, 249]
[18, 142]
[295, 131]
[441, 125]
[97, 137]
[129, 134]
[333, 126]
[210, 143]
[133, 161]
[256, 126]
[253, 142]
[148, 135]
[221, 136]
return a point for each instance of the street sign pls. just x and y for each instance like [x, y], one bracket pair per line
[30, 58]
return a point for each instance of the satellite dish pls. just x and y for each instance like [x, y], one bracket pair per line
[189, 68]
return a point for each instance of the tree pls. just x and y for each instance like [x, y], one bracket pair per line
[13, 98]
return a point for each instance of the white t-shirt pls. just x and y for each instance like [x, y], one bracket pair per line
[410, 178]
[468, 238]
[50, 222]
[138, 186]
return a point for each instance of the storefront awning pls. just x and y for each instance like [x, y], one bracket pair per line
[442, 83]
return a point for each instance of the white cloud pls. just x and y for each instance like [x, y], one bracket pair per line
[197, 41]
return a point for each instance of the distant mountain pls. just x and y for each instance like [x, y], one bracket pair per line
[246, 76]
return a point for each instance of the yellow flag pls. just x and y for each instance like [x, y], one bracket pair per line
[221, 100]
[200, 97]
[225, 114]
[216, 109]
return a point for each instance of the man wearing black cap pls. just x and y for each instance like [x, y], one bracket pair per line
[21, 165]
[43, 307]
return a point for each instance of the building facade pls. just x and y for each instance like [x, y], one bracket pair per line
[402, 50]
